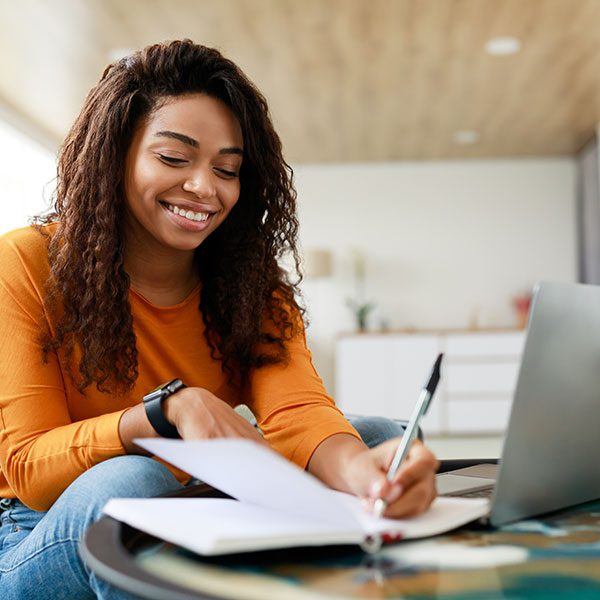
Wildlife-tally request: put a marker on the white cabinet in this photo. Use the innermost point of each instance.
(409, 364)
(362, 364)
(382, 374)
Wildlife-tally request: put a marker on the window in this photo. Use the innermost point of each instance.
(27, 177)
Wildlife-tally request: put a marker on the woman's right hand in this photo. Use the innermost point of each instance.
(200, 415)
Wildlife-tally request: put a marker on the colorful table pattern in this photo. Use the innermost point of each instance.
(553, 557)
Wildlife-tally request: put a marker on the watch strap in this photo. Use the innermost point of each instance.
(153, 404)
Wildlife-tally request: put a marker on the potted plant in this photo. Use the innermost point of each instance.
(359, 304)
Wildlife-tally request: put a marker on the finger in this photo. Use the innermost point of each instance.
(244, 429)
(420, 462)
(383, 454)
(249, 431)
(414, 500)
(258, 437)
(253, 433)
(384, 489)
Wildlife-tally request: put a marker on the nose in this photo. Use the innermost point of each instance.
(200, 184)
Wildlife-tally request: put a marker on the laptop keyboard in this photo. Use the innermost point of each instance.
(482, 493)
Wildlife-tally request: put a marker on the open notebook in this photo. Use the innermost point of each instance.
(278, 504)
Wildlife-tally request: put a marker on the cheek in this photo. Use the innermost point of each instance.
(230, 195)
(136, 185)
(144, 180)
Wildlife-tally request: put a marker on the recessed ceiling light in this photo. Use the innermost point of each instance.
(116, 54)
(503, 46)
(465, 137)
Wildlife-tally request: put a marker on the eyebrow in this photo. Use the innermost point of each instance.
(186, 139)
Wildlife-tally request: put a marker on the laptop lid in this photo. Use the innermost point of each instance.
(550, 455)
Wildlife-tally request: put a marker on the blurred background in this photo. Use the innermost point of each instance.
(445, 157)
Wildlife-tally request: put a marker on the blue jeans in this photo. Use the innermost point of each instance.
(39, 550)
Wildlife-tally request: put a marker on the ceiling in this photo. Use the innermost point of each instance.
(347, 80)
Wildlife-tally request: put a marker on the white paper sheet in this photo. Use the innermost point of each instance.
(445, 514)
(280, 505)
(254, 474)
(217, 526)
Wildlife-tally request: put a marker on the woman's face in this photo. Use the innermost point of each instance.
(182, 172)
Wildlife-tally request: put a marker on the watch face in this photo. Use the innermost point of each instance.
(171, 387)
(156, 389)
(175, 385)
(156, 393)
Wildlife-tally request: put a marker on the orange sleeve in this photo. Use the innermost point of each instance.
(292, 407)
(41, 450)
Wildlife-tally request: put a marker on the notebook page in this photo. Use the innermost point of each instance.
(254, 474)
(445, 514)
(217, 526)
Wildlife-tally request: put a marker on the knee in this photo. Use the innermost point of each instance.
(120, 477)
(130, 477)
(376, 430)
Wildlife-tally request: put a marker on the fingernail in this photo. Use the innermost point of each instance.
(394, 493)
(376, 489)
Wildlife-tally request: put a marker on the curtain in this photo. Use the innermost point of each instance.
(588, 212)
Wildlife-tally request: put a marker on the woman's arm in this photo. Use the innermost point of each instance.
(195, 412)
(301, 421)
(42, 448)
(346, 464)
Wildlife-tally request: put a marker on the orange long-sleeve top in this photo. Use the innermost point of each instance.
(50, 433)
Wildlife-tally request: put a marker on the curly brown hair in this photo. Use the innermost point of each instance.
(243, 285)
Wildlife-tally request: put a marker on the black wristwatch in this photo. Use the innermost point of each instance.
(153, 403)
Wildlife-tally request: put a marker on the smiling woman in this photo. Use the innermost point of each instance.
(181, 174)
(158, 265)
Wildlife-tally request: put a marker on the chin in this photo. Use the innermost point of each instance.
(187, 247)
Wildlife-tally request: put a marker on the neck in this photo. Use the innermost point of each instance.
(164, 276)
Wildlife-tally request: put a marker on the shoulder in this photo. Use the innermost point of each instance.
(283, 316)
(27, 241)
(24, 254)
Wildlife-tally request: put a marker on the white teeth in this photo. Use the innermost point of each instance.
(188, 214)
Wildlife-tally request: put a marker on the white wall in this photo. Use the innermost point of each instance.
(447, 244)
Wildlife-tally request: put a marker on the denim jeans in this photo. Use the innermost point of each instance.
(39, 550)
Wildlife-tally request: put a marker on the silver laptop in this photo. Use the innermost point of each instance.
(550, 459)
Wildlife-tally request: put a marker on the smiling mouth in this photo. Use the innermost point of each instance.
(187, 214)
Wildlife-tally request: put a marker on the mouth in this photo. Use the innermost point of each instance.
(190, 215)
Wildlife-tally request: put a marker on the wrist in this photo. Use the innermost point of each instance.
(350, 462)
(134, 424)
(173, 405)
(154, 405)
(333, 462)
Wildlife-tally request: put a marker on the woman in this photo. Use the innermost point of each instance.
(159, 262)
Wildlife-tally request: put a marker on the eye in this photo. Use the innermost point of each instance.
(170, 160)
(226, 173)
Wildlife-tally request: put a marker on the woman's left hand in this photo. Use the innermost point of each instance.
(413, 488)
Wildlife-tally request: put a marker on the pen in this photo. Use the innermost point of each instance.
(419, 412)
